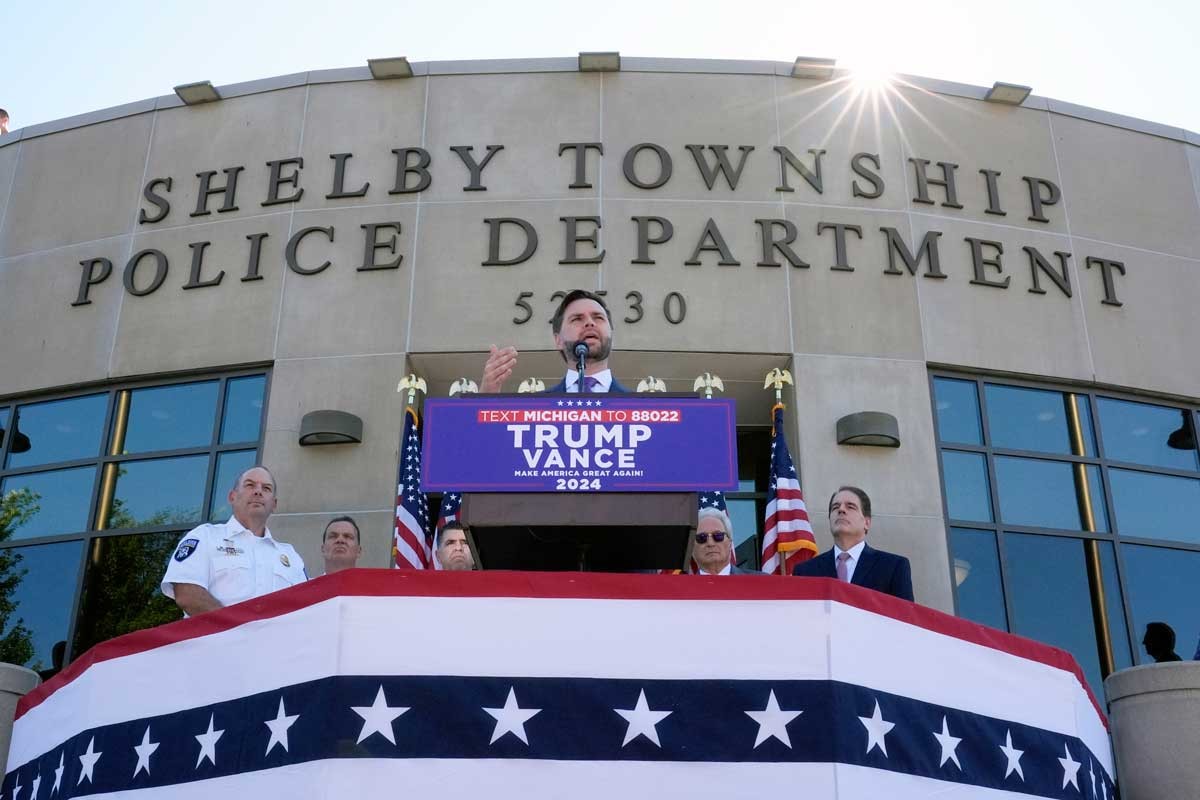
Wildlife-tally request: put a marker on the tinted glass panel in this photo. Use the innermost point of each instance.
(1118, 631)
(52, 503)
(1087, 430)
(243, 409)
(59, 430)
(120, 591)
(1050, 597)
(957, 405)
(229, 467)
(1047, 494)
(1146, 434)
(43, 588)
(159, 492)
(171, 417)
(1156, 506)
(1027, 419)
(3, 426)
(967, 486)
(745, 531)
(977, 575)
(1162, 588)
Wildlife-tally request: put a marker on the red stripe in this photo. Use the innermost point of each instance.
(556, 585)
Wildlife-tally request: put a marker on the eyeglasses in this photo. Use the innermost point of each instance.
(718, 536)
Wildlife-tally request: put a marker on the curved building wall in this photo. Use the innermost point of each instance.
(921, 227)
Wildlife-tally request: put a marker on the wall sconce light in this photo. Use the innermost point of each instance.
(385, 68)
(874, 428)
(962, 570)
(330, 427)
(814, 69)
(194, 94)
(600, 62)
(1008, 93)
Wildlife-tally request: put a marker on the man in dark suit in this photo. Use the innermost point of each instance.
(713, 545)
(581, 317)
(852, 559)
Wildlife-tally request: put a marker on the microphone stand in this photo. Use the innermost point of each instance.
(581, 351)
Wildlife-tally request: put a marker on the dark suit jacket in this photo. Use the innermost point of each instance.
(876, 569)
(615, 387)
(736, 570)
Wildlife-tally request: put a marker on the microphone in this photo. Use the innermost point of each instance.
(581, 352)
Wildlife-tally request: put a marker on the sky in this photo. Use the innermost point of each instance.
(65, 58)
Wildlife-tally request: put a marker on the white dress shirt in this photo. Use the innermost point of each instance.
(852, 562)
(603, 376)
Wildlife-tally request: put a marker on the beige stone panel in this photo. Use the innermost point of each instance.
(461, 305)
(975, 135)
(9, 157)
(76, 186)
(342, 310)
(675, 110)
(242, 131)
(231, 323)
(303, 532)
(864, 312)
(45, 342)
(1149, 342)
(1127, 188)
(319, 478)
(729, 309)
(902, 481)
(368, 119)
(1011, 329)
(530, 114)
(835, 117)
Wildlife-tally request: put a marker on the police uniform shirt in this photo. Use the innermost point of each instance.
(232, 563)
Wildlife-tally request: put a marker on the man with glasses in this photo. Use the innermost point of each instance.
(453, 549)
(714, 545)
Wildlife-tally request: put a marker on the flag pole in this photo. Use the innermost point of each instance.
(776, 379)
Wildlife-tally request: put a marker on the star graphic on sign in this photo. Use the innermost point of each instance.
(511, 718)
(1013, 755)
(58, 773)
(279, 728)
(773, 721)
(598, 404)
(949, 745)
(377, 717)
(144, 751)
(1070, 769)
(87, 762)
(37, 785)
(208, 743)
(560, 402)
(877, 729)
(642, 720)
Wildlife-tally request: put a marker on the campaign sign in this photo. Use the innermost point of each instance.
(572, 443)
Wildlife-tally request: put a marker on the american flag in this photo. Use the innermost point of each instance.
(787, 527)
(451, 503)
(410, 540)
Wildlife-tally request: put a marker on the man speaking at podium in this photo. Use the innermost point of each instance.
(580, 323)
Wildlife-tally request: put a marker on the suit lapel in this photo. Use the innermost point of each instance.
(866, 563)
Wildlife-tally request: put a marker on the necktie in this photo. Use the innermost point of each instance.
(590, 383)
(842, 571)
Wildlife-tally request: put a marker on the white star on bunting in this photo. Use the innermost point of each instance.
(144, 751)
(1070, 769)
(208, 743)
(773, 721)
(642, 720)
(877, 729)
(279, 728)
(87, 762)
(377, 717)
(949, 745)
(17, 789)
(37, 785)
(58, 773)
(1013, 755)
(511, 718)
(1092, 775)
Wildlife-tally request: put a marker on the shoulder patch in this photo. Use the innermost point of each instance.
(186, 548)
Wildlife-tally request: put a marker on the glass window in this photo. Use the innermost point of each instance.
(3, 427)
(1048, 494)
(121, 593)
(229, 467)
(1145, 434)
(1153, 506)
(1114, 606)
(977, 577)
(743, 513)
(54, 502)
(1051, 597)
(159, 491)
(967, 494)
(957, 411)
(171, 417)
(1162, 585)
(59, 430)
(243, 409)
(1027, 419)
(41, 582)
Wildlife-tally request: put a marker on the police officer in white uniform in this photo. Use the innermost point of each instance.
(218, 565)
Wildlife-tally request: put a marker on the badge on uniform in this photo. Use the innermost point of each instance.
(283, 559)
(186, 548)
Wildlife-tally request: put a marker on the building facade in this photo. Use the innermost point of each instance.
(1016, 285)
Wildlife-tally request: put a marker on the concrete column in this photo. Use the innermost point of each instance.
(15, 683)
(1154, 711)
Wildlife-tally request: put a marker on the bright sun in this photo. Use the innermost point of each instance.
(869, 75)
